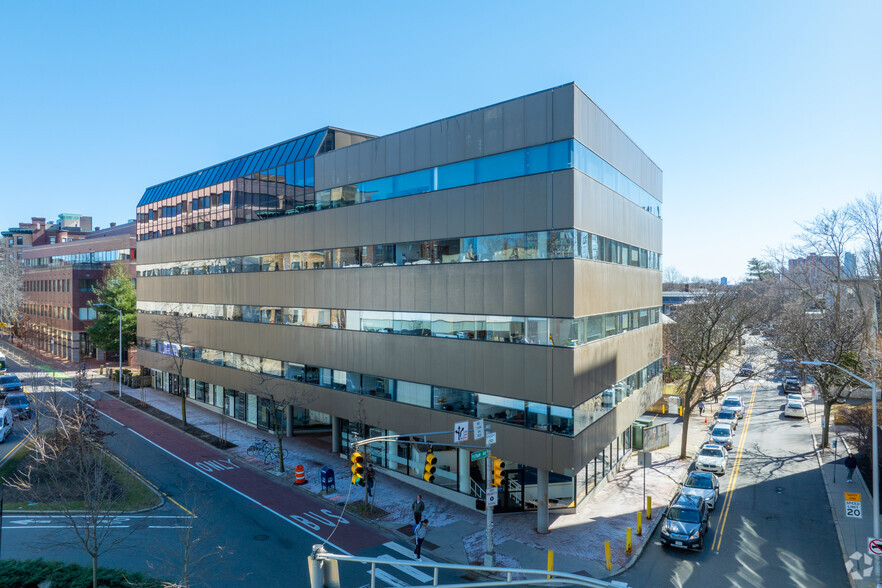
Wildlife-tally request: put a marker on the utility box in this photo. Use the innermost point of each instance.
(637, 428)
(328, 481)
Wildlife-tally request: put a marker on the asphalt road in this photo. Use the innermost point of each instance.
(772, 525)
(244, 529)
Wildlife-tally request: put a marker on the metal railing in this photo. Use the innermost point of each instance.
(324, 573)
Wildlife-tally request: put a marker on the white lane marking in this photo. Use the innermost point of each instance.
(410, 571)
(404, 551)
(387, 577)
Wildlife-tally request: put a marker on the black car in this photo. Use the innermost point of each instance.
(685, 523)
(9, 383)
(792, 384)
(746, 370)
(20, 406)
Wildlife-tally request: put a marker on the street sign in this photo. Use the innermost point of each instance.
(493, 496)
(853, 505)
(461, 432)
(644, 458)
(491, 438)
(479, 428)
(874, 545)
(480, 454)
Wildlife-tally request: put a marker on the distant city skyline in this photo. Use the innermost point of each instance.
(760, 115)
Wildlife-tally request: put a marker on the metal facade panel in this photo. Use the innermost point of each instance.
(537, 202)
(437, 143)
(493, 135)
(537, 286)
(494, 207)
(438, 279)
(563, 112)
(474, 210)
(562, 198)
(493, 287)
(392, 154)
(454, 133)
(513, 132)
(513, 289)
(537, 118)
(564, 292)
(514, 206)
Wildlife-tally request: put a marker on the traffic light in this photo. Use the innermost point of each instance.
(429, 473)
(498, 466)
(357, 468)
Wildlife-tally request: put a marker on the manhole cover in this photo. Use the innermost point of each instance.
(261, 537)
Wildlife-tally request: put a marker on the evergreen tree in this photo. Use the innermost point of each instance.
(117, 290)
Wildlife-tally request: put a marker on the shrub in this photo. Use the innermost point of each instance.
(30, 573)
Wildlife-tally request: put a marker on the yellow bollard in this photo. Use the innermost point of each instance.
(608, 555)
(628, 540)
(550, 563)
(681, 411)
(648, 507)
(639, 524)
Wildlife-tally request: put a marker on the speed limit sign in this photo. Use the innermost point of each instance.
(853, 505)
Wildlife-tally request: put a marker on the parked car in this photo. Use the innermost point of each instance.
(20, 406)
(792, 384)
(9, 383)
(704, 486)
(6, 423)
(685, 523)
(727, 417)
(747, 369)
(734, 404)
(795, 396)
(794, 408)
(712, 458)
(722, 434)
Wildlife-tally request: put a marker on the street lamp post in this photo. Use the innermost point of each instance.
(119, 375)
(872, 385)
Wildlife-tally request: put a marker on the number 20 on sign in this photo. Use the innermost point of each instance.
(853, 505)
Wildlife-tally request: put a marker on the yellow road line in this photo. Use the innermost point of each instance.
(13, 450)
(718, 539)
(151, 484)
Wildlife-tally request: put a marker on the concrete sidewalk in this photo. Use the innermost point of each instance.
(457, 534)
(853, 532)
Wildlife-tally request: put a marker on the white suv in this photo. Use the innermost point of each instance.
(734, 404)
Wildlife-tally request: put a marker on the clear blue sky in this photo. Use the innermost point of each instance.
(760, 114)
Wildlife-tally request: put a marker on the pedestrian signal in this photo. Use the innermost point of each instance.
(498, 466)
(357, 468)
(429, 473)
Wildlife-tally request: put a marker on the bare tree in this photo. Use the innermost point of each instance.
(272, 389)
(706, 331)
(821, 311)
(69, 469)
(11, 295)
(173, 328)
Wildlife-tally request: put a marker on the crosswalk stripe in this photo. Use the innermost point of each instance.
(410, 571)
(404, 551)
(387, 577)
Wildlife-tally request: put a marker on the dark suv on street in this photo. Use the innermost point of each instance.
(793, 384)
(20, 406)
(9, 383)
(685, 523)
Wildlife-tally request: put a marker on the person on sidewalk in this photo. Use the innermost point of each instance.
(420, 534)
(418, 507)
(370, 479)
(700, 408)
(850, 465)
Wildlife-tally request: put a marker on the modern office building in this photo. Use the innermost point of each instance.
(59, 279)
(502, 264)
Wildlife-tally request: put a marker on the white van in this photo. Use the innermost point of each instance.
(5, 423)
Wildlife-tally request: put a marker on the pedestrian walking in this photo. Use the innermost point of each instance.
(700, 408)
(420, 534)
(370, 480)
(418, 507)
(850, 465)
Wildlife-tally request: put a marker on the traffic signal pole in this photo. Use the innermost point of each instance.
(489, 553)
